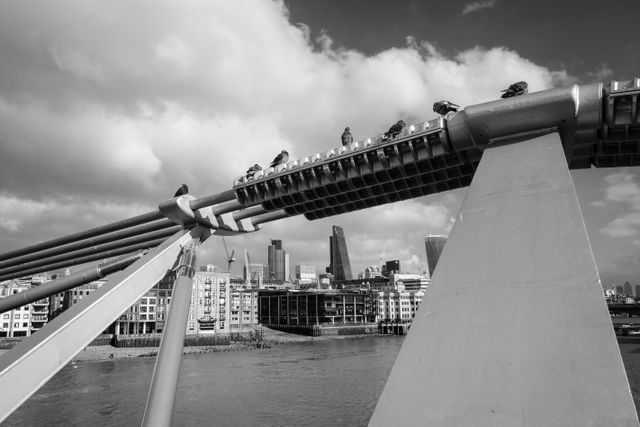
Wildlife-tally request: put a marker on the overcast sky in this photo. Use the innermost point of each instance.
(106, 107)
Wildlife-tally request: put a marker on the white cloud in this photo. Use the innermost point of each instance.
(78, 64)
(622, 189)
(204, 89)
(15, 212)
(478, 5)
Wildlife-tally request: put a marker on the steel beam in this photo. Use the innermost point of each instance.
(268, 217)
(212, 200)
(78, 278)
(32, 362)
(115, 226)
(105, 238)
(70, 260)
(161, 398)
(514, 329)
(103, 248)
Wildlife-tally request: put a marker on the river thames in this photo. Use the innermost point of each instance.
(319, 383)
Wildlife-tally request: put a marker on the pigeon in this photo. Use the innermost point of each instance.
(347, 138)
(395, 130)
(519, 88)
(182, 191)
(443, 107)
(252, 170)
(281, 158)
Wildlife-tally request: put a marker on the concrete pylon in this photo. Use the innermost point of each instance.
(514, 330)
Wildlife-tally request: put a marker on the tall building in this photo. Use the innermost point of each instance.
(339, 264)
(278, 262)
(16, 322)
(306, 272)
(255, 275)
(434, 243)
(208, 311)
(391, 267)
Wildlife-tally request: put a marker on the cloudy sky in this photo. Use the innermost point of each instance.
(106, 107)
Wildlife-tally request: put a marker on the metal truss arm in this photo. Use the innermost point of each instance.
(35, 360)
(167, 369)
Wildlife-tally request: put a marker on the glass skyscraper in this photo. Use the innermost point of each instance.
(278, 262)
(434, 243)
(339, 266)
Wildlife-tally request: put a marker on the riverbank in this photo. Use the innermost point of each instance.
(270, 338)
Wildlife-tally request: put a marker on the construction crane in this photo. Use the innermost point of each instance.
(230, 258)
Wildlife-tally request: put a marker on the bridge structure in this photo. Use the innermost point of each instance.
(519, 235)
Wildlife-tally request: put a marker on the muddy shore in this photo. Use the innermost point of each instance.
(270, 338)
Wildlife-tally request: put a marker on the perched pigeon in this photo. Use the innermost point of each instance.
(182, 190)
(252, 170)
(281, 158)
(395, 130)
(443, 107)
(519, 88)
(347, 138)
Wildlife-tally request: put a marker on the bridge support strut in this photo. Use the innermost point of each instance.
(514, 329)
(167, 369)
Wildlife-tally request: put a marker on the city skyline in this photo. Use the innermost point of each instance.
(103, 118)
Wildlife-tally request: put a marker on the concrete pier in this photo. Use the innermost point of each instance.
(515, 330)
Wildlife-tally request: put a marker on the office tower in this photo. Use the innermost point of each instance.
(391, 267)
(306, 272)
(338, 255)
(255, 273)
(278, 262)
(434, 244)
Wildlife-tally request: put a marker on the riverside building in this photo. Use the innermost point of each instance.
(296, 308)
(26, 320)
(209, 311)
(398, 306)
(17, 322)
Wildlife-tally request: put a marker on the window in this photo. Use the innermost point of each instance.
(16, 325)
(5, 325)
(25, 324)
(6, 316)
(25, 316)
(17, 316)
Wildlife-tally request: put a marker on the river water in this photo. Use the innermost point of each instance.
(321, 383)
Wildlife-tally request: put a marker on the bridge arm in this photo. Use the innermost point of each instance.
(31, 363)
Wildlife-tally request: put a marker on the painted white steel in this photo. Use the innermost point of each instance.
(30, 364)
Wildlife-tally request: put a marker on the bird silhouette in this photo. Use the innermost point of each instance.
(182, 190)
(281, 158)
(395, 130)
(347, 138)
(516, 89)
(443, 107)
(253, 169)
